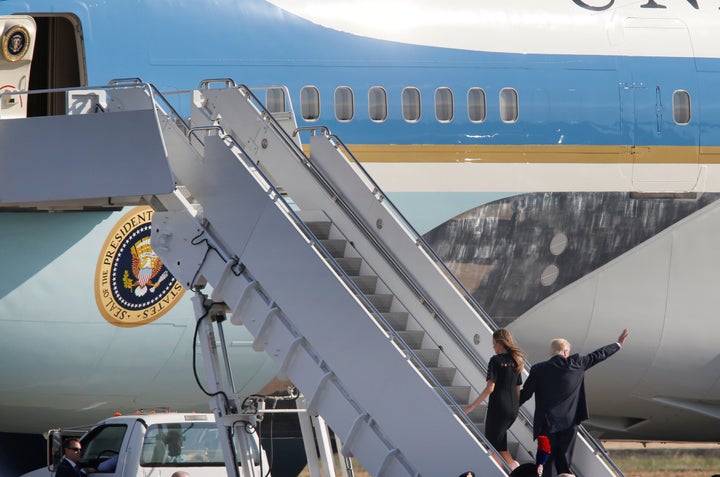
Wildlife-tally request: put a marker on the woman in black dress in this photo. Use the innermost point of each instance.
(503, 388)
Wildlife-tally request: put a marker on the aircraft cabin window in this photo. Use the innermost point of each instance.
(477, 105)
(275, 100)
(509, 107)
(411, 105)
(444, 105)
(310, 103)
(377, 104)
(344, 108)
(681, 107)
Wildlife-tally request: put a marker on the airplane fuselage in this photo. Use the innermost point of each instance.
(460, 112)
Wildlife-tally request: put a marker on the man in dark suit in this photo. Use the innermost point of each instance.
(560, 406)
(70, 464)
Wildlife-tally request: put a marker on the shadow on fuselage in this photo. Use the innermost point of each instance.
(21, 453)
(513, 253)
(31, 240)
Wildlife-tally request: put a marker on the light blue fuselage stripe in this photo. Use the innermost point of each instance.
(563, 99)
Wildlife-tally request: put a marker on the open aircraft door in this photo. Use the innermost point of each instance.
(660, 112)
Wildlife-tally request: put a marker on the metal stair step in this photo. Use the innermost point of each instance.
(336, 247)
(458, 393)
(321, 230)
(397, 319)
(381, 301)
(428, 357)
(351, 265)
(477, 415)
(413, 338)
(444, 375)
(366, 283)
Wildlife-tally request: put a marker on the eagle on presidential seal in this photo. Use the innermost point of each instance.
(145, 267)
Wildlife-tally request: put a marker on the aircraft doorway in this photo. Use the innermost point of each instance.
(656, 118)
(58, 62)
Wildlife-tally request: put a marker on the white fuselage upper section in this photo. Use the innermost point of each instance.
(582, 27)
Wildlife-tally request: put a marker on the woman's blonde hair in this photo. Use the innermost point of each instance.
(505, 339)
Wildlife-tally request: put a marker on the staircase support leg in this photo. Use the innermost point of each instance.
(322, 433)
(347, 467)
(220, 388)
(308, 436)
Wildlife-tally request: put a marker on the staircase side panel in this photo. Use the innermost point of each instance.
(232, 197)
(83, 157)
(370, 368)
(239, 118)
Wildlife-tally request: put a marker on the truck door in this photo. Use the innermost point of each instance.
(102, 447)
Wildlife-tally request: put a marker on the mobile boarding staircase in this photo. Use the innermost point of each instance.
(306, 252)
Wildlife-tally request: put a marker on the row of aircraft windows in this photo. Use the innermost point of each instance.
(509, 103)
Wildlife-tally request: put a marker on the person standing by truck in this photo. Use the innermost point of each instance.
(70, 464)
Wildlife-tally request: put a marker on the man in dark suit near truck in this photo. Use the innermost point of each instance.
(560, 406)
(69, 466)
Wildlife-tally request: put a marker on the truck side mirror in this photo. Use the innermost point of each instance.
(54, 449)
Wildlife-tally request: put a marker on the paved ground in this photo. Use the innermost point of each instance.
(617, 445)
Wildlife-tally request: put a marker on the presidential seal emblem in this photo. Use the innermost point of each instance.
(132, 286)
(15, 43)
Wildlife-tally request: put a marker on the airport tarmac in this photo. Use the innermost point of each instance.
(665, 459)
(636, 445)
(650, 459)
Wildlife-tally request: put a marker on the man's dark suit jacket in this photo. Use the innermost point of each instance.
(559, 388)
(66, 469)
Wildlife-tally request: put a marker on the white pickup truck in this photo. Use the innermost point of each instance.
(149, 445)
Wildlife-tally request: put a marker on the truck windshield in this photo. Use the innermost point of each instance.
(186, 444)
